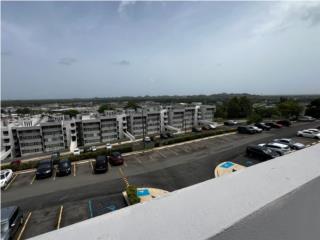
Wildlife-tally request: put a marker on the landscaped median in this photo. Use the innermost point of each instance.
(123, 148)
(134, 195)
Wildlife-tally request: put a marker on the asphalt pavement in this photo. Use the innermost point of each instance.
(168, 169)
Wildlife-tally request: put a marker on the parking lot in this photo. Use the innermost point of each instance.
(82, 194)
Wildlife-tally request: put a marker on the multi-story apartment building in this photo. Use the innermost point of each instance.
(56, 133)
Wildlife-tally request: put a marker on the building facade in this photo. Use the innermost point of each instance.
(56, 133)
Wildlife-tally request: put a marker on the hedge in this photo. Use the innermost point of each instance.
(21, 166)
(132, 194)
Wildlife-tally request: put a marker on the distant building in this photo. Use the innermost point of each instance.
(41, 134)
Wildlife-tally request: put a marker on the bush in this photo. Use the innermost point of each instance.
(132, 194)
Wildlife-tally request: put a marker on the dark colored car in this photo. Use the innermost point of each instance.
(286, 123)
(170, 134)
(246, 129)
(261, 152)
(230, 123)
(263, 126)
(196, 129)
(163, 136)
(274, 125)
(101, 164)
(206, 127)
(45, 169)
(55, 157)
(116, 159)
(11, 220)
(64, 167)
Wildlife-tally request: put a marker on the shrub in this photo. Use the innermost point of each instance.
(132, 194)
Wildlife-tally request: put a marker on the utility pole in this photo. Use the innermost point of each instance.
(143, 132)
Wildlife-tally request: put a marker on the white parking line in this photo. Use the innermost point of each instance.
(137, 159)
(162, 154)
(125, 164)
(171, 150)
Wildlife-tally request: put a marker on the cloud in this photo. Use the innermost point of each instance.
(284, 15)
(122, 8)
(67, 61)
(122, 63)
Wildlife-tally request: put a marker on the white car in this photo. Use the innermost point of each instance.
(277, 147)
(93, 148)
(108, 146)
(76, 151)
(6, 176)
(211, 126)
(314, 130)
(309, 134)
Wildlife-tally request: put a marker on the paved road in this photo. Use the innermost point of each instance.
(168, 169)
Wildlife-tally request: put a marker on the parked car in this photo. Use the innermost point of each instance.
(55, 157)
(230, 123)
(246, 129)
(292, 144)
(263, 126)
(306, 119)
(76, 151)
(280, 148)
(163, 136)
(261, 152)
(64, 167)
(116, 159)
(206, 127)
(147, 139)
(11, 220)
(90, 149)
(45, 169)
(101, 164)
(258, 130)
(170, 134)
(6, 176)
(274, 125)
(284, 122)
(308, 134)
(314, 130)
(108, 146)
(196, 129)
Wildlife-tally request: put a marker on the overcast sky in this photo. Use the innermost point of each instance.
(105, 49)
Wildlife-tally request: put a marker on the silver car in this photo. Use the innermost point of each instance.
(292, 144)
(277, 147)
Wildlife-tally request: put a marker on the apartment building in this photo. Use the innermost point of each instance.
(56, 133)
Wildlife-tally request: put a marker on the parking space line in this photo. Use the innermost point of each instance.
(54, 174)
(162, 154)
(12, 180)
(125, 164)
(91, 165)
(34, 177)
(137, 159)
(24, 226)
(60, 217)
(173, 151)
(74, 170)
(109, 165)
(123, 177)
(151, 158)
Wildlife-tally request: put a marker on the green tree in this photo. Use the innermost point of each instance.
(233, 108)
(313, 109)
(267, 112)
(23, 111)
(221, 111)
(104, 107)
(245, 105)
(289, 108)
(71, 112)
(254, 118)
(132, 105)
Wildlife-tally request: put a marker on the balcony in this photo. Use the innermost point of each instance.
(277, 199)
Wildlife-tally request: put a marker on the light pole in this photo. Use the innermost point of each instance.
(143, 132)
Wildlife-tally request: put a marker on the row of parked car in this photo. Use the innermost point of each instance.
(279, 147)
(259, 127)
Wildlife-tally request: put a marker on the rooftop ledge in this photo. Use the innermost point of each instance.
(277, 199)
